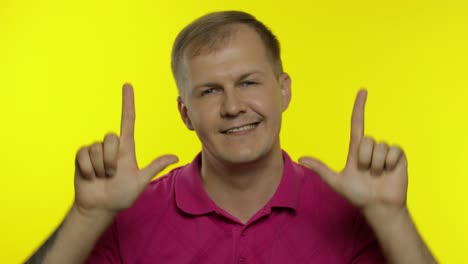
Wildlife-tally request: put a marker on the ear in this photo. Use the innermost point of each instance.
(184, 113)
(285, 87)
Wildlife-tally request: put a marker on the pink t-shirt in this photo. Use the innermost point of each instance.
(174, 221)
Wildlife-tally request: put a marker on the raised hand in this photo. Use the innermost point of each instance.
(375, 177)
(107, 177)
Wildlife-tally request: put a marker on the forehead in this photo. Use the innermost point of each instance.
(241, 52)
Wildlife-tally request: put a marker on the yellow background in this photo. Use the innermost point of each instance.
(62, 64)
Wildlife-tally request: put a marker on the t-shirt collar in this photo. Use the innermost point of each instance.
(192, 198)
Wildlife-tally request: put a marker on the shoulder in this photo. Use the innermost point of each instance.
(155, 199)
(327, 214)
(318, 196)
(315, 196)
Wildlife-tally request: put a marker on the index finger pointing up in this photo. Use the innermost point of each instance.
(357, 123)
(127, 123)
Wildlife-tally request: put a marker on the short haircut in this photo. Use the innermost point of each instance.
(211, 31)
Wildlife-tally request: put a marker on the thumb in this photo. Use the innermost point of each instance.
(156, 166)
(327, 175)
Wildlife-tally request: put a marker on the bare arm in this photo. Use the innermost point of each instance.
(399, 238)
(107, 181)
(73, 240)
(39, 256)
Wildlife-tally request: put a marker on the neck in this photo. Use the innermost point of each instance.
(242, 189)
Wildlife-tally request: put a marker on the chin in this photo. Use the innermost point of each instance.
(241, 152)
(240, 157)
(244, 155)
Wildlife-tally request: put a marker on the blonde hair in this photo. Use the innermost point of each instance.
(211, 31)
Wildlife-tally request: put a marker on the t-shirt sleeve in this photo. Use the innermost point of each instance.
(106, 250)
(366, 248)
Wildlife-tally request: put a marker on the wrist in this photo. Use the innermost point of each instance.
(397, 235)
(92, 216)
(382, 216)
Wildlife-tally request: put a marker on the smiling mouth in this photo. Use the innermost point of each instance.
(241, 128)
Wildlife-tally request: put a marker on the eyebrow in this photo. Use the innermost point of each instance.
(242, 77)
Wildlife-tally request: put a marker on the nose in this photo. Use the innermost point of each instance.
(232, 105)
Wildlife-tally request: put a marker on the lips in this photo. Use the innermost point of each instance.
(241, 128)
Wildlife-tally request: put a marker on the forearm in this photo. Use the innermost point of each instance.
(399, 238)
(73, 241)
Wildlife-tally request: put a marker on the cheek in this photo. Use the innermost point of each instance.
(267, 102)
(203, 118)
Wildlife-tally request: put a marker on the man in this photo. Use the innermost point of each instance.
(242, 199)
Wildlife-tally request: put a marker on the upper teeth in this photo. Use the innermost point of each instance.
(242, 128)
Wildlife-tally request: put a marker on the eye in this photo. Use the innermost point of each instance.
(248, 83)
(209, 91)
